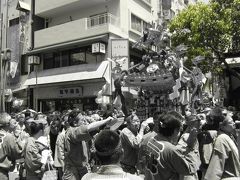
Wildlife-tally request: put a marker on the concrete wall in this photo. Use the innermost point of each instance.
(47, 5)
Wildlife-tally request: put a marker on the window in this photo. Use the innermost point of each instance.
(146, 25)
(65, 58)
(57, 60)
(46, 23)
(91, 58)
(48, 61)
(71, 57)
(24, 65)
(78, 56)
(136, 23)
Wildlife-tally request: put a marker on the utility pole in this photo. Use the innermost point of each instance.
(1, 70)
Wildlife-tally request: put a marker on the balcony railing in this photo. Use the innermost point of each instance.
(102, 19)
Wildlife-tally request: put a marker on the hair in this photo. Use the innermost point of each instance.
(225, 120)
(27, 113)
(216, 116)
(108, 147)
(54, 119)
(73, 117)
(168, 123)
(107, 113)
(129, 118)
(34, 128)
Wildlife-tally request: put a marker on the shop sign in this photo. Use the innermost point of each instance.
(119, 48)
(120, 52)
(70, 92)
(98, 48)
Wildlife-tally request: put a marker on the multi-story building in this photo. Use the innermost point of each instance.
(169, 8)
(67, 37)
(16, 37)
(72, 39)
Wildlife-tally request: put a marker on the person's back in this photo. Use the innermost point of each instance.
(109, 151)
(32, 159)
(111, 172)
(165, 161)
(161, 159)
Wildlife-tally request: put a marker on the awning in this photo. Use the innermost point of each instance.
(101, 72)
(19, 89)
(67, 44)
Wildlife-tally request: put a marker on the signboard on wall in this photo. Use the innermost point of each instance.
(98, 48)
(120, 48)
(70, 92)
(120, 52)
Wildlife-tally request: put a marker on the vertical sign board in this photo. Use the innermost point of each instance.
(120, 52)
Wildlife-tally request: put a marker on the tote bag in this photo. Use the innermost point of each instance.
(50, 174)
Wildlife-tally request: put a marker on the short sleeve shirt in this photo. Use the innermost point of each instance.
(75, 147)
(165, 161)
(226, 154)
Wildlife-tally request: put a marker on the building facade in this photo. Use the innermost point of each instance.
(72, 39)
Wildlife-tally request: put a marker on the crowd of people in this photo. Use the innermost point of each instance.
(109, 145)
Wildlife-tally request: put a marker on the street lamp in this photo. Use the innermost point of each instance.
(35, 61)
(4, 63)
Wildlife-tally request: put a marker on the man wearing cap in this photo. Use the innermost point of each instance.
(9, 150)
(109, 151)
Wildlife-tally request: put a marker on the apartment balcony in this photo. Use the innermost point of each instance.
(46, 8)
(74, 31)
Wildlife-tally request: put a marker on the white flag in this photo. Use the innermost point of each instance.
(13, 68)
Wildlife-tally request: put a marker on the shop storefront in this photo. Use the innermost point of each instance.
(60, 98)
(49, 105)
(69, 87)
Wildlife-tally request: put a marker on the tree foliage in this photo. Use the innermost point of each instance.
(214, 30)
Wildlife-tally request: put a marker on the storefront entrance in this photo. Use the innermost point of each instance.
(50, 105)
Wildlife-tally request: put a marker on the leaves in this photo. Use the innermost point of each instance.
(214, 30)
